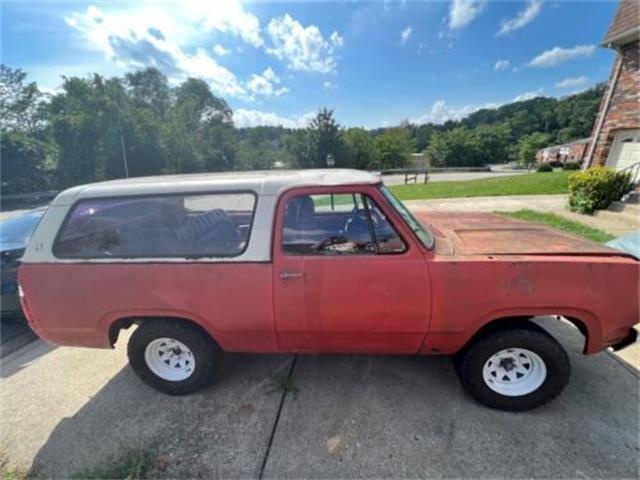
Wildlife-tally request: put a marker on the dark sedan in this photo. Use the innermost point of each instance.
(14, 237)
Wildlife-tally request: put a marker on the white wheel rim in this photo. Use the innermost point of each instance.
(169, 359)
(514, 372)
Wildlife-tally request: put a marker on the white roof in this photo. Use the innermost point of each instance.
(268, 182)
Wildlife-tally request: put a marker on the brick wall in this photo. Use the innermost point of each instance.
(624, 109)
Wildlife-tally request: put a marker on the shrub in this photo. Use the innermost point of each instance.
(571, 166)
(595, 188)
(544, 167)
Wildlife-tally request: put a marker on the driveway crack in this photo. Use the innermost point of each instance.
(276, 421)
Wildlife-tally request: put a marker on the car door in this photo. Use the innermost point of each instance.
(348, 277)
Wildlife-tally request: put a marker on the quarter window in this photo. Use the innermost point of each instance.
(344, 224)
(190, 225)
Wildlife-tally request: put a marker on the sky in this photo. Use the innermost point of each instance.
(374, 63)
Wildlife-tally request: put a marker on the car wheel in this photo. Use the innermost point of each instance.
(173, 357)
(516, 369)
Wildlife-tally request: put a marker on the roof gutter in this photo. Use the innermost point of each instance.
(621, 38)
(605, 109)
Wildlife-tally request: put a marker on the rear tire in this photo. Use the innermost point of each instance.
(172, 356)
(516, 369)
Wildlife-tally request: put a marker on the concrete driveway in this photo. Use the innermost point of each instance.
(352, 417)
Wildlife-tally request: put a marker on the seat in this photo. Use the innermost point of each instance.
(210, 233)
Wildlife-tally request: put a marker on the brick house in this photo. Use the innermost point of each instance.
(615, 139)
(560, 154)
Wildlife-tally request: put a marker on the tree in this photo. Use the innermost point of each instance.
(325, 138)
(27, 154)
(22, 107)
(423, 136)
(394, 148)
(360, 149)
(298, 148)
(256, 151)
(88, 120)
(149, 88)
(199, 133)
(84, 132)
(25, 163)
(529, 145)
(492, 143)
(458, 147)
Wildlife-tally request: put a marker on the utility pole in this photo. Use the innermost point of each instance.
(124, 156)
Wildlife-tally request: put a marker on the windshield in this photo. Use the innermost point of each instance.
(16, 231)
(423, 233)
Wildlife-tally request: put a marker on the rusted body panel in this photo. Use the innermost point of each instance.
(470, 233)
(599, 292)
(488, 267)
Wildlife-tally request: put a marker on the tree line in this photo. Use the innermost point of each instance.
(98, 128)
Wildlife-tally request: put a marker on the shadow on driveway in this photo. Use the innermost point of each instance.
(222, 432)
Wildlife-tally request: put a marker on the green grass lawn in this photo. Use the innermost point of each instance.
(561, 223)
(526, 184)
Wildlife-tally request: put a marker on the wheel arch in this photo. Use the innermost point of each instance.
(116, 325)
(585, 322)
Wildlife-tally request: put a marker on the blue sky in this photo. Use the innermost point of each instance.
(374, 63)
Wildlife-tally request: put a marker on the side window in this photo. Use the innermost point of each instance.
(345, 224)
(387, 237)
(192, 225)
(335, 203)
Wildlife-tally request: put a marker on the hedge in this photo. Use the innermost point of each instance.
(596, 188)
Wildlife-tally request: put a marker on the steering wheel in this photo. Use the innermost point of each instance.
(359, 217)
(358, 223)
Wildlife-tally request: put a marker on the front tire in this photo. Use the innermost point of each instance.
(515, 369)
(171, 356)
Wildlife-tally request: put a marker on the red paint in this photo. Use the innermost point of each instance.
(420, 301)
(359, 303)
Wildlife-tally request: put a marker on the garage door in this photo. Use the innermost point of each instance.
(625, 150)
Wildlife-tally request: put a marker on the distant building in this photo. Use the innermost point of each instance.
(558, 155)
(616, 133)
(419, 160)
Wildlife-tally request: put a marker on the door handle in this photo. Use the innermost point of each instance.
(288, 275)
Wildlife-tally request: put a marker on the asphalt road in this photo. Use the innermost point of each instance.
(452, 176)
(64, 409)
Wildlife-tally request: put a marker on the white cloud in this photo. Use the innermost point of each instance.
(226, 16)
(572, 82)
(329, 85)
(528, 95)
(220, 50)
(142, 45)
(501, 65)
(336, 40)
(533, 9)
(304, 48)
(440, 112)
(463, 12)
(405, 34)
(252, 118)
(265, 84)
(558, 55)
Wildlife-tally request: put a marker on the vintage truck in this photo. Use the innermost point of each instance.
(317, 261)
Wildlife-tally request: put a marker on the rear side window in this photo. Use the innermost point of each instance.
(190, 225)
